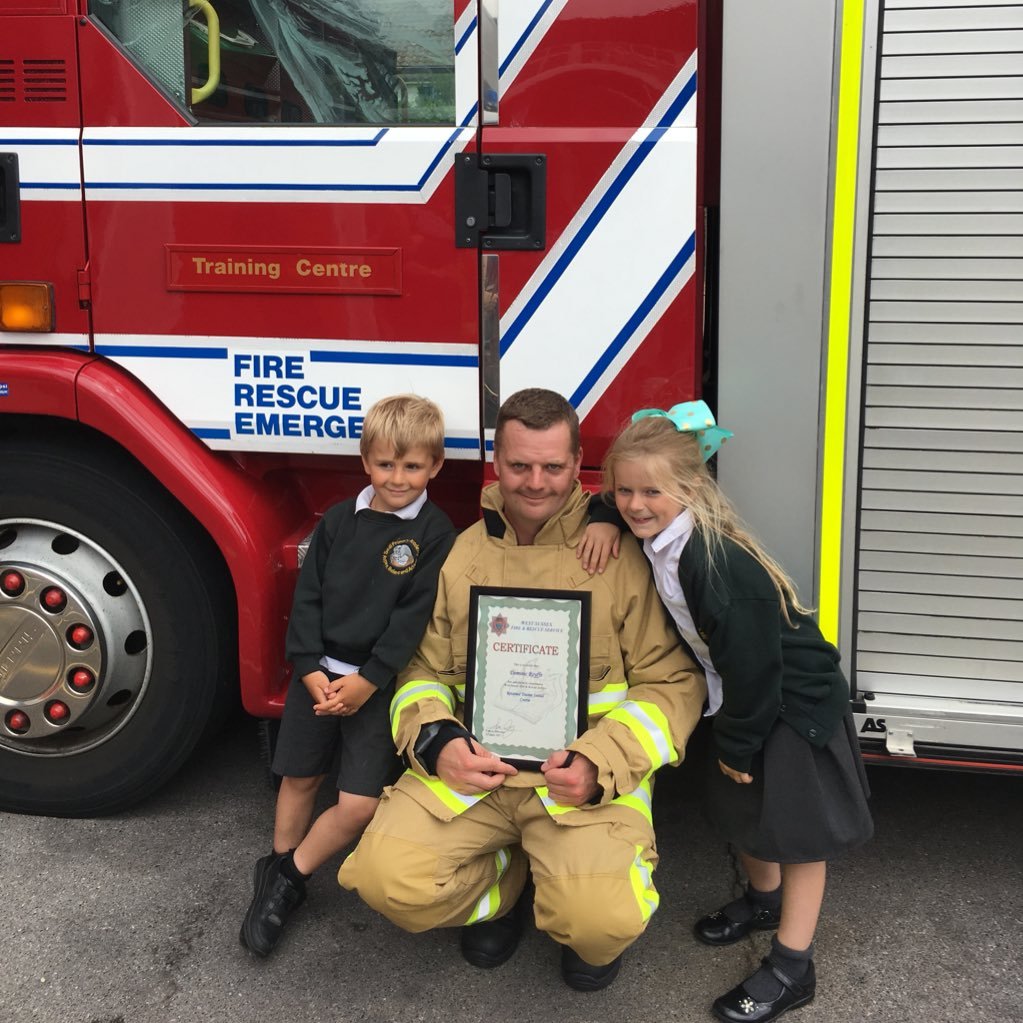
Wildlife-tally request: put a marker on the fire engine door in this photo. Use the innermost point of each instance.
(270, 210)
(599, 97)
(41, 232)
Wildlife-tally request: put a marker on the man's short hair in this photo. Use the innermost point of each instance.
(404, 421)
(538, 409)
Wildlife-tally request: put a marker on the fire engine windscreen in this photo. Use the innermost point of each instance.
(296, 61)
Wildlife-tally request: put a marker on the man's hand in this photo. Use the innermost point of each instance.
(571, 778)
(600, 541)
(470, 772)
(316, 683)
(345, 695)
(737, 776)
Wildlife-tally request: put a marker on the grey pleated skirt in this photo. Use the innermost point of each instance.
(805, 803)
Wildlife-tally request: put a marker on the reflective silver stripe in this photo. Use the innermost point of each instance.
(490, 901)
(413, 692)
(653, 729)
(608, 697)
(453, 800)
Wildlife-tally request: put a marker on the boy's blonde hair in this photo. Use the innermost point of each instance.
(404, 421)
(676, 464)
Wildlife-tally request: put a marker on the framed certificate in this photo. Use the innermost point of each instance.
(527, 671)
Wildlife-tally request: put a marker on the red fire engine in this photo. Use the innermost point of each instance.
(227, 227)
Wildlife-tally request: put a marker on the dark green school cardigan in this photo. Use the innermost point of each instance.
(769, 669)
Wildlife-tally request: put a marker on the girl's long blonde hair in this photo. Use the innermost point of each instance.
(677, 466)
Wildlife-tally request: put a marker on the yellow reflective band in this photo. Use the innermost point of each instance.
(460, 692)
(490, 900)
(449, 797)
(413, 692)
(608, 698)
(839, 315)
(648, 723)
(640, 800)
(549, 805)
(641, 877)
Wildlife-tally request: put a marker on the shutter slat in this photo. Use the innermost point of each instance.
(943, 440)
(992, 133)
(915, 375)
(941, 564)
(931, 625)
(941, 645)
(942, 157)
(958, 65)
(947, 312)
(931, 269)
(933, 522)
(952, 605)
(950, 112)
(949, 223)
(949, 202)
(955, 245)
(943, 667)
(943, 290)
(974, 87)
(911, 585)
(931, 20)
(940, 42)
(983, 548)
(909, 502)
(1005, 484)
(970, 399)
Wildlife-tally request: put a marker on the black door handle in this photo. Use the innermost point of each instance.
(501, 201)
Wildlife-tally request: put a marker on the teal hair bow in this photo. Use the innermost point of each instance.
(692, 417)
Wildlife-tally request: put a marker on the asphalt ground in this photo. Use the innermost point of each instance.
(134, 918)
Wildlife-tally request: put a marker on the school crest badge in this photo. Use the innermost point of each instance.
(400, 556)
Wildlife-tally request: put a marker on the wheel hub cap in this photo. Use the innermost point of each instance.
(75, 641)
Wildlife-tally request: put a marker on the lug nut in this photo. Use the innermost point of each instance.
(79, 636)
(57, 711)
(54, 599)
(81, 680)
(12, 583)
(17, 721)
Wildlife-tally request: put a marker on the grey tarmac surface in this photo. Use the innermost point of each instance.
(134, 919)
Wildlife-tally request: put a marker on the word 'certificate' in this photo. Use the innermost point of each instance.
(527, 669)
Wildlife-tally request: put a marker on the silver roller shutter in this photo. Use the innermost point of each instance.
(940, 542)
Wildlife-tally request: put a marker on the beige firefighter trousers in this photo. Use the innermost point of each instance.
(593, 868)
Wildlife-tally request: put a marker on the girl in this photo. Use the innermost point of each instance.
(790, 791)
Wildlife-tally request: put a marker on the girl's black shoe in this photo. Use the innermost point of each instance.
(720, 929)
(738, 1006)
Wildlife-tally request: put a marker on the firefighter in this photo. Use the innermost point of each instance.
(456, 840)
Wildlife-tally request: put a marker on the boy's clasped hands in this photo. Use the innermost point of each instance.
(340, 698)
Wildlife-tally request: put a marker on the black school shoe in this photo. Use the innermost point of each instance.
(582, 976)
(720, 929)
(274, 899)
(739, 1007)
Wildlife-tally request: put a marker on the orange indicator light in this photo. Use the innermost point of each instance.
(26, 306)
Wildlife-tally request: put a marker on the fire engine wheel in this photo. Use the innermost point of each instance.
(112, 644)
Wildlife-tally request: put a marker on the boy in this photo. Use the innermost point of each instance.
(364, 596)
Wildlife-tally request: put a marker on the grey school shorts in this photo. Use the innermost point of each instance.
(361, 745)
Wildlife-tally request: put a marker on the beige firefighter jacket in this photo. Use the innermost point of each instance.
(646, 693)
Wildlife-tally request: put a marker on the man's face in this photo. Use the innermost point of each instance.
(535, 473)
